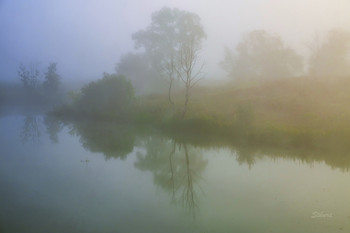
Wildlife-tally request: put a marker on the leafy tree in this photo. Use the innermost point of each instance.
(29, 76)
(172, 42)
(331, 58)
(138, 69)
(262, 55)
(52, 79)
(110, 96)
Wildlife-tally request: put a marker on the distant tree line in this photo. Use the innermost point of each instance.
(264, 55)
(46, 92)
(168, 56)
(30, 77)
(161, 61)
(330, 56)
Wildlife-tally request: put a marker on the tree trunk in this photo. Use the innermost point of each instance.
(172, 170)
(169, 92)
(187, 96)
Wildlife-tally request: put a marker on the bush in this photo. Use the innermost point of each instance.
(110, 96)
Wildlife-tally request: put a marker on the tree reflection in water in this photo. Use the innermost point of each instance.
(176, 164)
(113, 140)
(53, 127)
(176, 168)
(246, 155)
(31, 129)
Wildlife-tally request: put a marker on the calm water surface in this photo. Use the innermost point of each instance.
(89, 177)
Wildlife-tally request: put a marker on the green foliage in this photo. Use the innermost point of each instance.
(290, 112)
(111, 96)
(193, 124)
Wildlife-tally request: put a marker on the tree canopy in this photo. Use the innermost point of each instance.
(112, 95)
(29, 76)
(168, 31)
(331, 58)
(173, 41)
(138, 69)
(52, 79)
(161, 45)
(262, 55)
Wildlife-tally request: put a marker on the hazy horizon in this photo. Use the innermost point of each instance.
(87, 38)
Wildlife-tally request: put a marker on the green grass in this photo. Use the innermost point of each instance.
(305, 112)
(290, 112)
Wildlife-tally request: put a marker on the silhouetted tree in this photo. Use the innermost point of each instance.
(262, 55)
(29, 77)
(186, 68)
(330, 58)
(110, 96)
(172, 41)
(52, 79)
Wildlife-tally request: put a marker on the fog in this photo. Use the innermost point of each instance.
(87, 38)
(159, 111)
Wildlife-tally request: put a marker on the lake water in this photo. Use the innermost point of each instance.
(89, 177)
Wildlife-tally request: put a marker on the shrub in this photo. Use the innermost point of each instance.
(110, 96)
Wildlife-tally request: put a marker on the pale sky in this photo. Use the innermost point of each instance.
(87, 37)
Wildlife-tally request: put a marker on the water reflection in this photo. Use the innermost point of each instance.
(246, 155)
(118, 140)
(34, 126)
(113, 140)
(335, 154)
(176, 168)
(176, 163)
(31, 128)
(53, 127)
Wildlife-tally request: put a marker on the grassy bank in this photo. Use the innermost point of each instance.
(291, 112)
(304, 112)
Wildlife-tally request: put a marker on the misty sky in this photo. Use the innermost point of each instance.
(87, 37)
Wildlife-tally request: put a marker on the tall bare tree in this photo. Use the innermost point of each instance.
(168, 41)
(187, 69)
